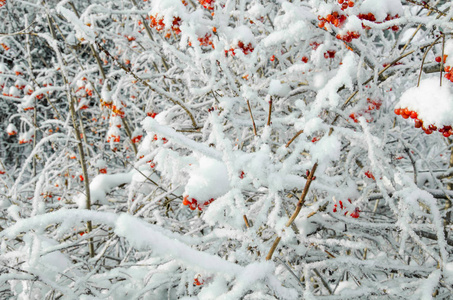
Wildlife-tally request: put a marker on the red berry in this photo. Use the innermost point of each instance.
(305, 59)
(438, 59)
(418, 123)
(186, 201)
(413, 115)
(397, 111)
(355, 213)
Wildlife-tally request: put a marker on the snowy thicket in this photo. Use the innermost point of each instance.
(226, 149)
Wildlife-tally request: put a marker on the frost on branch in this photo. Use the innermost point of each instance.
(191, 129)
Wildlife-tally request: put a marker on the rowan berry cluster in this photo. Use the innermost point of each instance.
(369, 175)
(355, 214)
(208, 4)
(193, 203)
(371, 17)
(157, 23)
(372, 105)
(2, 3)
(329, 54)
(334, 18)
(11, 130)
(448, 69)
(348, 37)
(206, 40)
(406, 113)
(345, 4)
(246, 49)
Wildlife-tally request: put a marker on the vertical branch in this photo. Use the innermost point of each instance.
(296, 211)
(78, 137)
(424, 56)
(251, 116)
(442, 58)
(247, 224)
(270, 112)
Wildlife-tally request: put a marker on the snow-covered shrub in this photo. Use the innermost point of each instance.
(214, 149)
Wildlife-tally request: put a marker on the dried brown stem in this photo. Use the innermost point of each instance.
(297, 210)
(247, 224)
(424, 56)
(293, 138)
(302, 197)
(251, 116)
(274, 246)
(270, 112)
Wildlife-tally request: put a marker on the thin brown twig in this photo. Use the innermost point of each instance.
(423, 60)
(296, 211)
(270, 112)
(251, 116)
(293, 138)
(442, 58)
(302, 197)
(247, 224)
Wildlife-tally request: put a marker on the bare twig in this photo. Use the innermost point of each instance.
(247, 224)
(270, 112)
(251, 116)
(424, 56)
(297, 210)
(293, 138)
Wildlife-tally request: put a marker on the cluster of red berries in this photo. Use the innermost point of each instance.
(349, 36)
(151, 114)
(448, 69)
(158, 23)
(369, 175)
(446, 130)
(355, 214)
(305, 59)
(345, 4)
(372, 105)
(370, 17)
(246, 49)
(2, 2)
(206, 40)
(163, 139)
(196, 281)
(329, 54)
(334, 18)
(136, 139)
(193, 203)
(314, 45)
(208, 4)
(5, 46)
(449, 73)
(116, 138)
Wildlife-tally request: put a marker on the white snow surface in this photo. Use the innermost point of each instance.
(427, 99)
(207, 180)
(277, 88)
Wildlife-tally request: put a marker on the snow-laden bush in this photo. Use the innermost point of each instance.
(216, 149)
